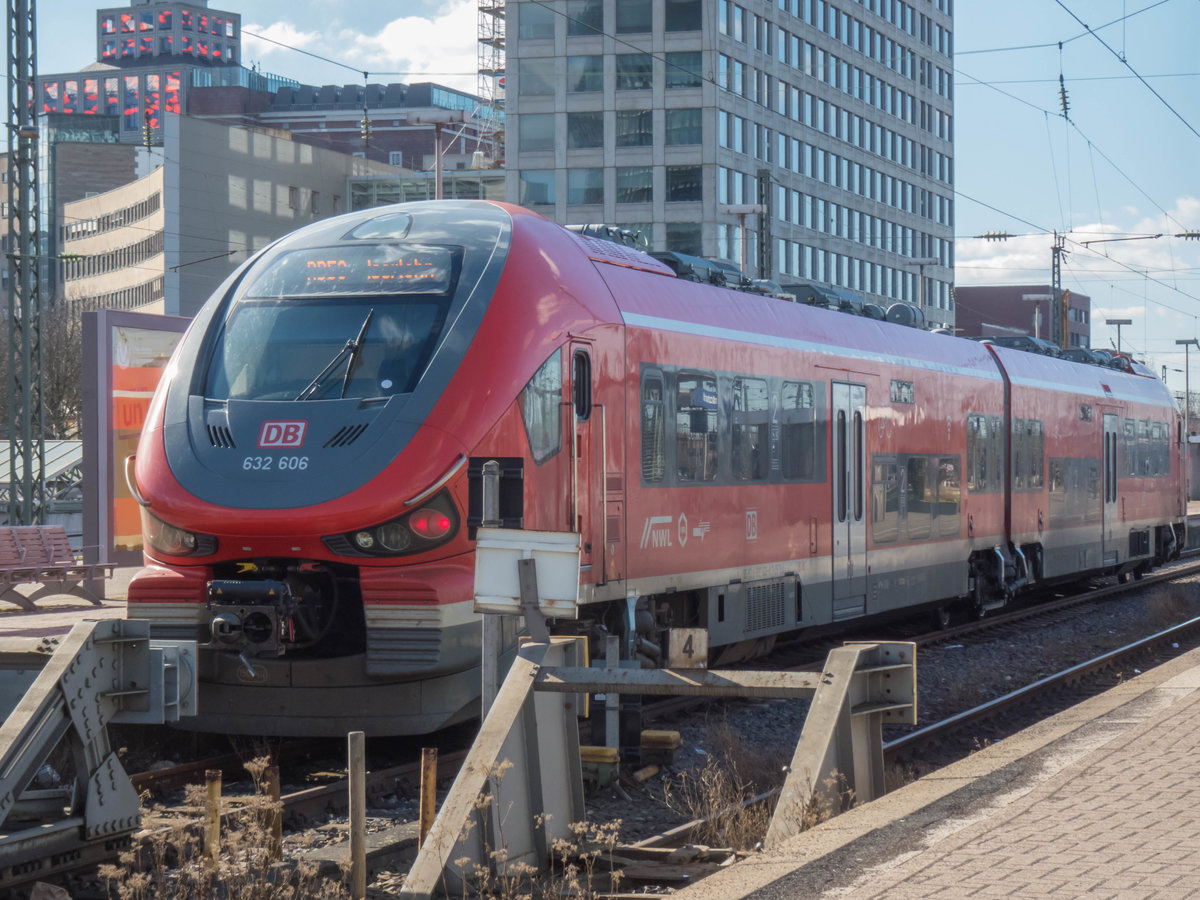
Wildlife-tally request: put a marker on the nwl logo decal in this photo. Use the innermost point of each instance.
(282, 434)
(657, 531)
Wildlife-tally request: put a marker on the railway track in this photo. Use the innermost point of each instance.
(1088, 677)
(310, 805)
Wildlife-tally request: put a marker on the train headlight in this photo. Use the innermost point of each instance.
(394, 536)
(434, 523)
(173, 540)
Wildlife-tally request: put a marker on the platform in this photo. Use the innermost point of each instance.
(56, 615)
(1102, 800)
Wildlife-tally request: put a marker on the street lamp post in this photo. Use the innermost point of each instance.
(1037, 310)
(741, 210)
(1119, 323)
(438, 119)
(1187, 343)
(921, 264)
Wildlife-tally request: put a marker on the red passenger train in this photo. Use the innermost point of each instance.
(310, 471)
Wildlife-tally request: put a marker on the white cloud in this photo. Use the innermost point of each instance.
(409, 49)
(1121, 250)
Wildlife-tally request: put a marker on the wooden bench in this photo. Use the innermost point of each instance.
(42, 555)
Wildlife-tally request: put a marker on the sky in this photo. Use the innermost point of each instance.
(1120, 167)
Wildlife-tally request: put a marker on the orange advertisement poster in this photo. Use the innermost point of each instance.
(139, 358)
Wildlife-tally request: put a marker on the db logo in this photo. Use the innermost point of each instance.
(282, 434)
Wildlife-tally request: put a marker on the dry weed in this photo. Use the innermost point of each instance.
(1168, 605)
(719, 793)
(574, 864)
(179, 869)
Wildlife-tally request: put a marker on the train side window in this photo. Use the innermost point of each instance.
(1161, 451)
(885, 501)
(1143, 449)
(1020, 454)
(919, 494)
(696, 427)
(1128, 458)
(750, 423)
(995, 481)
(541, 408)
(976, 455)
(1037, 454)
(949, 496)
(581, 385)
(654, 436)
(859, 460)
(801, 432)
(841, 466)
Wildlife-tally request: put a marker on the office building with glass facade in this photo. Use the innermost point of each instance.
(809, 141)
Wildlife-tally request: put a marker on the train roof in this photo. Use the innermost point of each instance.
(1035, 370)
(707, 311)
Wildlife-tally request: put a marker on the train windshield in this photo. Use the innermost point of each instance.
(324, 323)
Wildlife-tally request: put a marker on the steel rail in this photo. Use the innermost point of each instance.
(892, 749)
(906, 744)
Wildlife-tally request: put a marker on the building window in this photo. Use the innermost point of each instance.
(396, 157)
(585, 186)
(635, 128)
(683, 69)
(536, 132)
(585, 73)
(537, 186)
(635, 72)
(537, 77)
(293, 197)
(683, 184)
(682, 15)
(684, 237)
(635, 184)
(585, 129)
(536, 22)
(683, 126)
(633, 16)
(585, 17)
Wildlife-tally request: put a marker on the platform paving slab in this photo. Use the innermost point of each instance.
(1101, 800)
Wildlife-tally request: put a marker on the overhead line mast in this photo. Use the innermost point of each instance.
(25, 498)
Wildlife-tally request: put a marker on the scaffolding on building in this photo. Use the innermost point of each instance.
(491, 84)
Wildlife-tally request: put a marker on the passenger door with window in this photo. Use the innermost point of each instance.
(849, 517)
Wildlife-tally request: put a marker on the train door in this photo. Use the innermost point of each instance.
(849, 516)
(586, 459)
(1111, 512)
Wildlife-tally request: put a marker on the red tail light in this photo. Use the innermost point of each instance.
(430, 524)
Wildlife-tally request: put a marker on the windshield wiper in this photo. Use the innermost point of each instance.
(349, 352)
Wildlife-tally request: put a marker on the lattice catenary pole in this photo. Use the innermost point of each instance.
(24, 299)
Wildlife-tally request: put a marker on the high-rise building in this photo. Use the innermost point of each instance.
(146, 54)
(805, 140)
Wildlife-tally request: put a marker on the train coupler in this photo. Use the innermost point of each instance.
(252, 618)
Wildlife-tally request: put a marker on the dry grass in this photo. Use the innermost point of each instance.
(580, 866)
(178, 867)
(1169, 604)
(718, 793)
